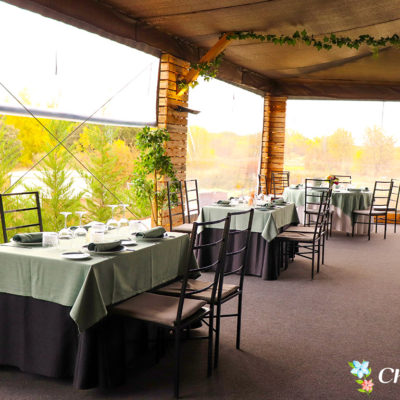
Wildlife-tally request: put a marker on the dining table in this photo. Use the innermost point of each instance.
(263, 249)
(343, 203)
(55, 312)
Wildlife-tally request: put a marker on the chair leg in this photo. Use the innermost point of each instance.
(177, 362)
(217, 331)
(210, 341)
(319, 252)
(384, 236)
(330, 229)
(369, 228)
(312, 262)
(395, 221)
(376, 224)
(239, 320)
(353, 222)
(323, 250)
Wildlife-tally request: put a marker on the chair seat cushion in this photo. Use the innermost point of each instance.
(366, 212)
(158, 309)
(296, 236)
(383, 208)
(301, 228)
(184, 228)
(195, 284)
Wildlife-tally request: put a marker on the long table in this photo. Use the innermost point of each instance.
(52, 310)
(263, 252)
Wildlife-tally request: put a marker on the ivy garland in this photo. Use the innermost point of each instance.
(209, 69)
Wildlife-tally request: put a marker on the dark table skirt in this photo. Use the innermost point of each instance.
(40, 337)
(262, 255)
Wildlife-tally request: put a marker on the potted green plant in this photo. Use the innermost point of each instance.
(152, 168)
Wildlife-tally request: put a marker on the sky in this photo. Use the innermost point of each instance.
(74, 70)
(77, 71)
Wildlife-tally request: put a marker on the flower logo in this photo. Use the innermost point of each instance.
(362, 370)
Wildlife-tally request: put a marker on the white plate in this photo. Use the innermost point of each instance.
(128, 243)
(35, 244)
(75, 256)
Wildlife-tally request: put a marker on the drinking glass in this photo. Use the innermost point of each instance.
(65, 233)
(50, 239)
(112, 223)
(136, 226)
(80, 231)
(124, 221)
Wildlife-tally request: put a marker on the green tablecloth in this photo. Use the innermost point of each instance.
(346, 201)
(267, 223)
(92, 285)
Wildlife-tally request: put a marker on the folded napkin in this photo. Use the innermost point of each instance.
(28, 237)
(108, 246)
(279, 201)
(223, 202)
(73, 228)
(155, 233)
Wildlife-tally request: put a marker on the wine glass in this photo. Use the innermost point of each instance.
(65, 232)
(124, 221)
(80, 231)
(112, 223)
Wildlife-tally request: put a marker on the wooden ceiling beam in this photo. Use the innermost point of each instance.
(211, 54)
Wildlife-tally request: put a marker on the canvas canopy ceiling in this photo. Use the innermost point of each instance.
(187, 28)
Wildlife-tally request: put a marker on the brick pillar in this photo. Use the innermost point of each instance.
(273, 137)
(174, 121)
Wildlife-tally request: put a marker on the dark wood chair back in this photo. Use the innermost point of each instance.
(192, 200)
(176, 204)
(237, 259)
(279, 181)
(17, 209)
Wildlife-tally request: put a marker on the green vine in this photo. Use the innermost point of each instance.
(326, 43)
(209, 69)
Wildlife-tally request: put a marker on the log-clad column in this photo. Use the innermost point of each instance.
(273, 138)
(174, 121)
(168, 117)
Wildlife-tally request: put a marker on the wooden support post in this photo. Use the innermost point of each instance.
(169, 118)
(193, 73)
(273, 138)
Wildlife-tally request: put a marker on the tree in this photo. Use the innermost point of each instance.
(152, 166)
(340, 146)
(56, 181)
(10, 152)
(96, 143)
(378, 151)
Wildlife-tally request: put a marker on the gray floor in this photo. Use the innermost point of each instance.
(298, 336)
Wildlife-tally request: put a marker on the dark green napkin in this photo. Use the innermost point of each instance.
(109, 246)
(28, 237)
(155, 233)
(223, 202)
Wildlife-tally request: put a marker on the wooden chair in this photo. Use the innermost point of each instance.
(179, 313)
(176, 208)
(192, 200)
(279, 181)
(309, 241)
(4, 212)
(378, 209)
(237, 262)
(393, 203)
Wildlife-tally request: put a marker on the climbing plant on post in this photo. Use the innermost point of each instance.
(151, 168)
